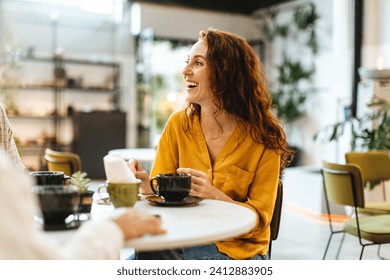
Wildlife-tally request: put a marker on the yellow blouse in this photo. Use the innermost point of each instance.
(244, 170)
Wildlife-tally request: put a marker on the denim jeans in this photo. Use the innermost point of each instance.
(203, 252)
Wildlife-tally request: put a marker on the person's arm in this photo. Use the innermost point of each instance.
(22, 238)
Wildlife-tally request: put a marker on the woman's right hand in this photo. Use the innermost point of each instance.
(142, 174)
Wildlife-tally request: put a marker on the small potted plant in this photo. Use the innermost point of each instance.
(80, 181)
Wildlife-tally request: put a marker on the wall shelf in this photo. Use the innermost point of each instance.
(54, 77)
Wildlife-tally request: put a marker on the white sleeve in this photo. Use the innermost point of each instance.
(101, 239)
(22, 239)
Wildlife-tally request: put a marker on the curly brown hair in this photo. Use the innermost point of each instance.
(238, 84)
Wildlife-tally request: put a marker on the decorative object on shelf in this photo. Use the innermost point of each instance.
(293, 82)
(80, 181)
(64, 79)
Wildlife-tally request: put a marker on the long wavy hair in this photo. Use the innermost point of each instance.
(238, 84)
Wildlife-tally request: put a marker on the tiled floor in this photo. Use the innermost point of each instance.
(303, 232)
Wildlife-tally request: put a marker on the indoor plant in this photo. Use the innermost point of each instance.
(81, 182)
(290, 80)
(368, 132)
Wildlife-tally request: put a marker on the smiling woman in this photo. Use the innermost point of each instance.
(228, 117)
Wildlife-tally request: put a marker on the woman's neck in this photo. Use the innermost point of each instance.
(214, 126)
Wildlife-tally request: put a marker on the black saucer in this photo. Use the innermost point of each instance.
(160, 201)
(73, 224)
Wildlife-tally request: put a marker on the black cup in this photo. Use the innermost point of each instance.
(57, 203)
(49, 178)
(172, 186)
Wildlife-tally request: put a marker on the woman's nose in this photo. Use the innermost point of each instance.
(186, 70)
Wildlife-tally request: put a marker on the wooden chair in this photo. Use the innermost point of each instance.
(276, 217)
(66, 162)
(375, 167)
(343, 185)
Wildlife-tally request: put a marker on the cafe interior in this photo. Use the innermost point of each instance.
(96, 77)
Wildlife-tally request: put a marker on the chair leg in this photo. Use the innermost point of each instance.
(269, 249)
(340, 245)
(361, 252)
(327, 246)
(329, 240)
(379, 254)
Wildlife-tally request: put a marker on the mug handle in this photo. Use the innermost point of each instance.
(152, 185)
(106, 200)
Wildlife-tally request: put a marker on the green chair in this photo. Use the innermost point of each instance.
(66, 162)
(375, 167)
(343, 185)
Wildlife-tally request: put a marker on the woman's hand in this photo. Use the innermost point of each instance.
(134, 224)
(142, 174)
(202, 187)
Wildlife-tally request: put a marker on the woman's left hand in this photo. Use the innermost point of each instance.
(201, 186)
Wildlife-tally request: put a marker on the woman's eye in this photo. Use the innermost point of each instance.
(187, 61)
(198, 63)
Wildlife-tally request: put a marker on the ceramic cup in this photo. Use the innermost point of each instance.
(49, 178)
(171, 186)
(57, 203)
(121, 194)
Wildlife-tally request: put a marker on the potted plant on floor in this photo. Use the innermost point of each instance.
(80, 181)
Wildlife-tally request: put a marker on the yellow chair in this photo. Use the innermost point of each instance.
(343, 185)
(66, 162)
(276, 216)
(375, 167)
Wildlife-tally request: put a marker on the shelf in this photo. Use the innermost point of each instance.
(33, 149)
(35, 117)
(64, 88)
(84, 89)
(73, 61)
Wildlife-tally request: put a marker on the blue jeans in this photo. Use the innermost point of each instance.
(203, 252)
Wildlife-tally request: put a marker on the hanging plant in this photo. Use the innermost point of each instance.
(290, 91)
(305, 19)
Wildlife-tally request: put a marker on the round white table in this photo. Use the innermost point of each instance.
(206, 222)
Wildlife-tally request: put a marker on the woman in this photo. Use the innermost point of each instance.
(227, 139)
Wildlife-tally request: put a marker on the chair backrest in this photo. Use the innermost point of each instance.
(275, 222)
(343, 183)
(276, 216)
(66, 162)
(375, 165)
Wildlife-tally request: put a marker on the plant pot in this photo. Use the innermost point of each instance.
(86, 200)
